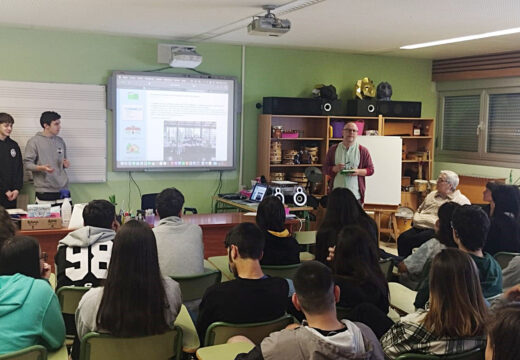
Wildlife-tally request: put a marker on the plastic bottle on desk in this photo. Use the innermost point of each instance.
(66, 212)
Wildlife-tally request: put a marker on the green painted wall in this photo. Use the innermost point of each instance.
(73, 57)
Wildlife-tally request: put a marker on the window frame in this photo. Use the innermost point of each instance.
(484, 89)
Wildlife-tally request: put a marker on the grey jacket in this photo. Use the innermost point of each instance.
(88, 307)
(511, 274)
(180, 247)
(44, 150)
(86, 236)
(357, 343)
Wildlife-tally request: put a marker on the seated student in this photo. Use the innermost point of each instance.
(504, 233)
(7, 228)
(280, 247)
(511, 274)
(412, 266)
(357, 272)
(504, 334)
(470, 227)
(342, 209)
(487, 196)
(322, 335)
(30, 313)
(180, 246)
(252, 296)
(135, 299)
(456, 319)
(84, 254)
(426, 215)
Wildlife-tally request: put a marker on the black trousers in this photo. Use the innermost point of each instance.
(413, 238)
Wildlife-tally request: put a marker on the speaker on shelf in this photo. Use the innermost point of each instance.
(278, 193)
(385, 108)
(301, 106)
(399, 108)
(299, 196)
(362, 107)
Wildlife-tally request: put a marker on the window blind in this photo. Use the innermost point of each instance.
(461, 118)
(504, 124)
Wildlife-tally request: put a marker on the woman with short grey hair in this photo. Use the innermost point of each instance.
(425, 217)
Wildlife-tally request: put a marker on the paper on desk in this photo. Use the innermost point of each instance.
(250, 214)
(16, 211)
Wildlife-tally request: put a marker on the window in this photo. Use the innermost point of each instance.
(480, 126)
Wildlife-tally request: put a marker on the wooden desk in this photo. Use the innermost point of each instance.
(246, 207)
(223, 351)
(214, 230)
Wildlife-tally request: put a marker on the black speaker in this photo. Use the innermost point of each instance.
(386, 108)
(399, 108)
(301, 106)
(362, 107)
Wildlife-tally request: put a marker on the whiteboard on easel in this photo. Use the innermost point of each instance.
(384, 186)
(83, 121)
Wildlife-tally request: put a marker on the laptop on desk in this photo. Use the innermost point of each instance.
(257, 195)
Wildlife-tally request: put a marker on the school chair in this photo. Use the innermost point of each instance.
(190, 339)
(224, 351)
(219, 332)
(69, 297)
(194, 286)
(35, 352)
(503, 258)
(475, 354)
(401, 298)
(342, 312)
(305, 238)
(387, 267)
(95, 346)
(148, 201)
(282, 271)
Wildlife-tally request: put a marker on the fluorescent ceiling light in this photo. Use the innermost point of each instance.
(462, 38)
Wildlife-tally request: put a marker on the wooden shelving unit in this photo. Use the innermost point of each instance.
(314, 131)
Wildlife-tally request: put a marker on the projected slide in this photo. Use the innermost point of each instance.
(168, 123)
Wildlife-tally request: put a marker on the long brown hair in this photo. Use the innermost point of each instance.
(134, 298)
(457, 308)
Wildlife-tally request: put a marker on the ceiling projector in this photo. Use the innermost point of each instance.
(268, 25)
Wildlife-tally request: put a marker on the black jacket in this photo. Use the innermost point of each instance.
(11, 173)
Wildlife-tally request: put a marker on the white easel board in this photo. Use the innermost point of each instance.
(384, 186)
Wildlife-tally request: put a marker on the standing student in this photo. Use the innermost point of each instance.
(355, 159)
(11, 175)
(46, 157)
